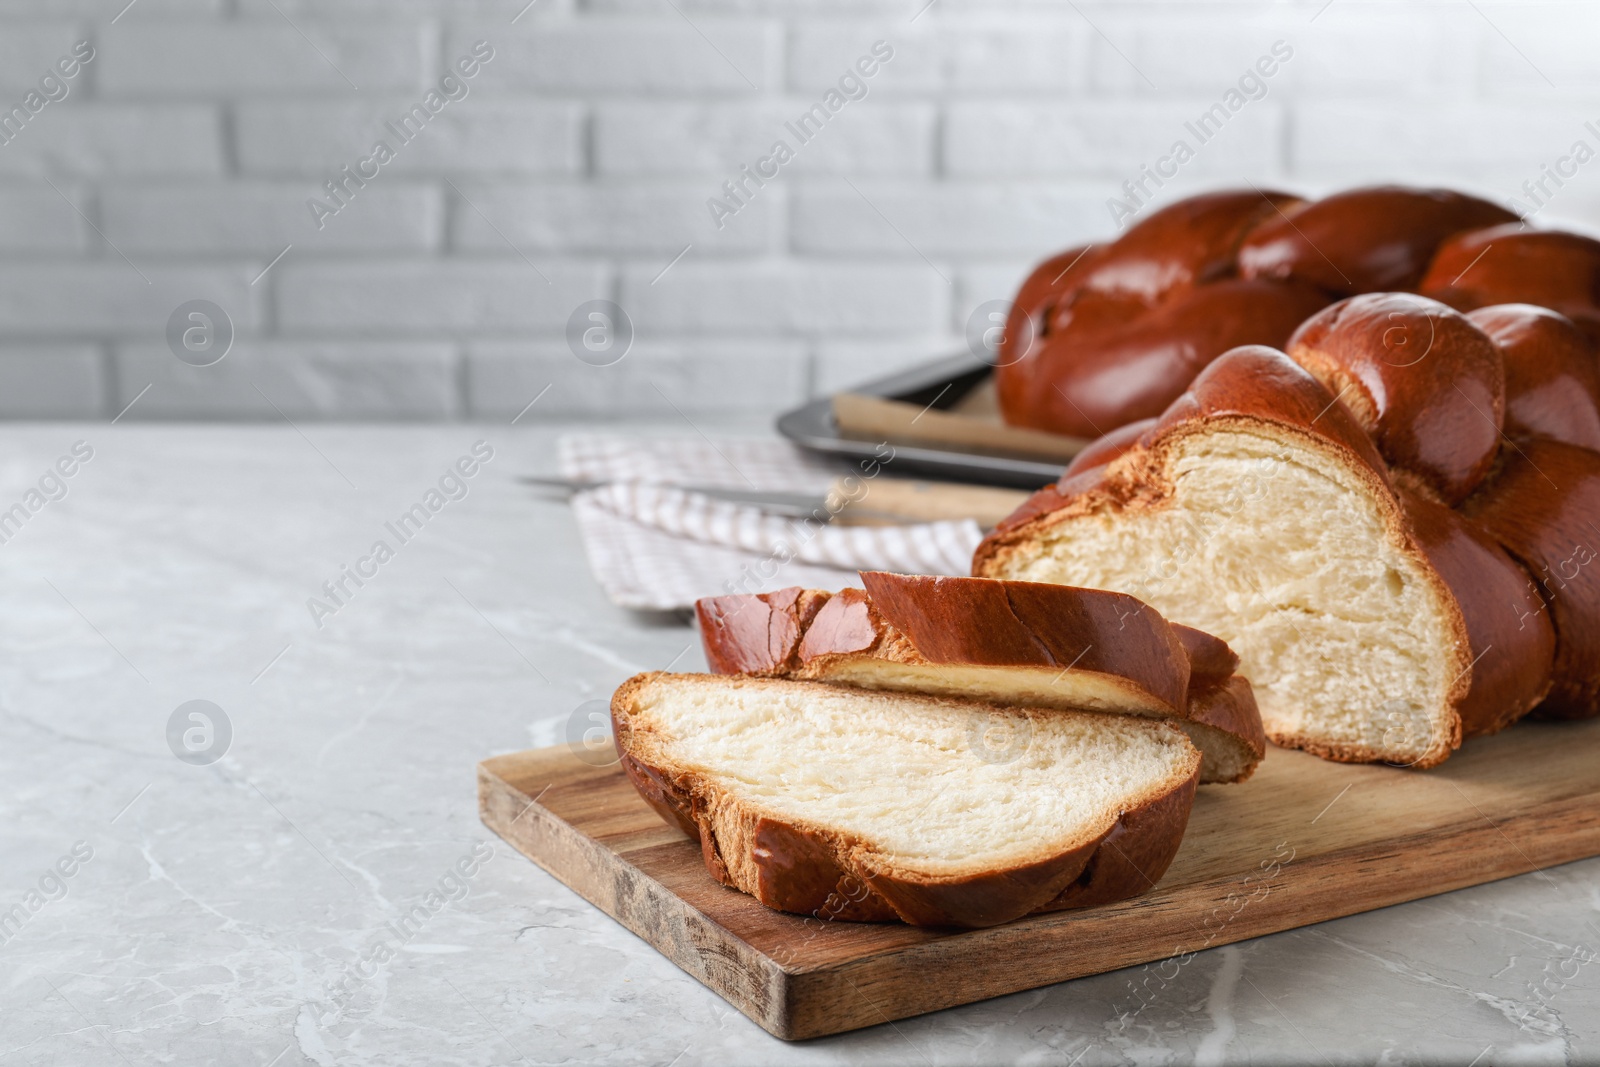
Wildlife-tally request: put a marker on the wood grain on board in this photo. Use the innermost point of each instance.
(1302, 841)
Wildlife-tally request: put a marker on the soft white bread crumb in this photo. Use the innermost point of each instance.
(1288, 555)
(934, 787)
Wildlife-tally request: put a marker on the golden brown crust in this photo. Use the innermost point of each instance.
(1103, 335)
(1510, 264)
(812, 870)
(1250, 386)
(1455, 424)
(1157, 668)
(1552, 377)
(1211, 661)
(1261, 384)
(1225, 725)
(1189, 243)
(1422, 380)
(1543, 506)
(1100, 365)
(848, 622)
(1509, 642)
(1103, 450)
(1032, 310)
(1108, 334)
(1133, 856)
(1229, 707)
(1129, 322)
(757, 633)
(1363, 240)
(984, 622)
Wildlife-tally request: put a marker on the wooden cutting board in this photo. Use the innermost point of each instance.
(1302, 841)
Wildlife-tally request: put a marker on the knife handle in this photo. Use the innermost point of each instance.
(925, 501)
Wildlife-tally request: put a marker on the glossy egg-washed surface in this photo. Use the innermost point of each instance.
(1480, 437)
(1453, 351)
(1112, 333)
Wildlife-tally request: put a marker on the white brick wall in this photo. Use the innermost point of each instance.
(580, 161)
(712, 139)
(260, 217)
(692, 376)
(232, 60)
(406, 297)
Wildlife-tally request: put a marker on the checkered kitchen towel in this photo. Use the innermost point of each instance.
(657, 547)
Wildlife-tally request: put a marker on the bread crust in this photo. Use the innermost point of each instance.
(1103, 450)
(1261, 385)
(1157, 668)
(1511, 643)
(1211, 661)
(796, 866)
(1508, 264)
(1029, 624)
(757, 633)
(1263, 392)
(1184, 245)
(1028, 322)
(1363, 240)
(1141, 314)
(1543, 507)
(1228, 706)
(1121, 364)
(1422, 380)
(1552, 376)
(1104, 335)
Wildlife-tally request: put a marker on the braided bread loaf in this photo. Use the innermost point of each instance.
(1102, 336)
(1392, 524)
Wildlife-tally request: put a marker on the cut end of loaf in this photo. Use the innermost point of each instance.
(950, 811)
(1276, 542)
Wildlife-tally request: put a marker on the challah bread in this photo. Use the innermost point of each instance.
(1011, 643)
(1109, 335)
(1102, 336)
(1374, 622)
(1134, 367)
(845, 805)
(1510, 264)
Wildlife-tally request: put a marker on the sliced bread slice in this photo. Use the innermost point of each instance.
(1014, 643)
(841, 804)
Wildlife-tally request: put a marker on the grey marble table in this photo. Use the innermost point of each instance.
(238, 911)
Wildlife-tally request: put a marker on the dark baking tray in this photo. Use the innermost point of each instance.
(940, 384)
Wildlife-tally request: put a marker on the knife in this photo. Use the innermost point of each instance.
(891, 499)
